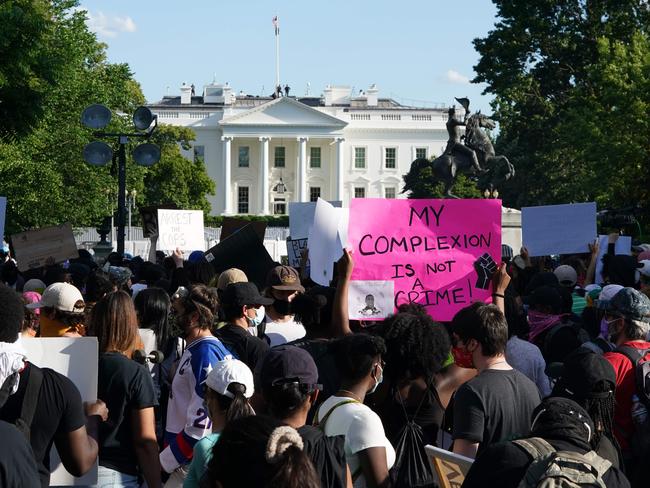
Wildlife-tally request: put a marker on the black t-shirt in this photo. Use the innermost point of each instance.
(494, 406)
(248, 348)
(124, 386)
(327, 454)
(505, 464)
(17, 463)
(58, 412)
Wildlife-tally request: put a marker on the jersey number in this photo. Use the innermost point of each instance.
(202, 422)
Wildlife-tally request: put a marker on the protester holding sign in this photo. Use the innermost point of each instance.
(54, 402)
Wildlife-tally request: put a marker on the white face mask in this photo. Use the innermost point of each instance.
(378, 380)
(259, 317)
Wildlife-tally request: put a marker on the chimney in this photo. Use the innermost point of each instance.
(372, 96)
(328, 95)
(186, 94)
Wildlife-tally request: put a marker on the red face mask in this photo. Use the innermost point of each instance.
(462, 357)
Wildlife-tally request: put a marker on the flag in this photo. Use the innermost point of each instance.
(276, 24)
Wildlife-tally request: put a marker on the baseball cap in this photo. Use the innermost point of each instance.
(606, 294)
(232, 275)
(643, 255)
(547, 296)
(32, 297)
(641, 248)
(645, 268)
(284, 278)
(631, 303)
(34, 285)
(566, 275)
(239, 294)
(585, 374)
(229, 371)
(287, 363)
(63, 297)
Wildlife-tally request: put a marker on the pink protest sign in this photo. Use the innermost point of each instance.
(438, 253)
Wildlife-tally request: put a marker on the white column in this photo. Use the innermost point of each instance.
(338, 194)
(227, 183)
(264, 175)
(302, 169)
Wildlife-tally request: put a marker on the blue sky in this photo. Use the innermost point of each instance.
(413, 50)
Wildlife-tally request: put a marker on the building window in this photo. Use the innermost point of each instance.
(389, 192)
(242, 200)
(199, 153)
(359, 192)
(390, 157)
(420, 153)
(279, 161)
(244, 157)
(314, 193)
(314, 157)
(359, 157)
(279, 206)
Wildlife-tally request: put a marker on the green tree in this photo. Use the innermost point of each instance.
(570, 86)
(42, 171)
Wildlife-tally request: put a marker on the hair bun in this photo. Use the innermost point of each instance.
(281, 439)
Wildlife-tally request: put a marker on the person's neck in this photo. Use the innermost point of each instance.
(296, 420)
(624, 339)
(276, 317)
(240, 322)
(354, 391)
(492, 362)
(196, 333)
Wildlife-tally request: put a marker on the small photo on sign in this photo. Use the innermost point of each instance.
(370, 300)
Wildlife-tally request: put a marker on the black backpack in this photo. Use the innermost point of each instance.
(30, 399)
(412, 467)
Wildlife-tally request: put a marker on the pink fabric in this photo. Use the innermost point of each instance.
(539, 322)
(33, 297)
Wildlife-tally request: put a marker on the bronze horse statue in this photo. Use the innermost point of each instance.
(446, 167)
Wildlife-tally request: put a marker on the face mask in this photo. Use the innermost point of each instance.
(259, 317)
(612, 333)
(378, 381)
(282, 307)
(462, 357)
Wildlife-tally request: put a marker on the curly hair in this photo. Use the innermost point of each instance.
(11, 314)
(356, 353)
(416, 346)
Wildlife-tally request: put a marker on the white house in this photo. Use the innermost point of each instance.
(264, 152)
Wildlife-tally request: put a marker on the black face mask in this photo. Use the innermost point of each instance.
(282, 307)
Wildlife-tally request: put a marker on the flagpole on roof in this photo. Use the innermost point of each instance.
(276, 24)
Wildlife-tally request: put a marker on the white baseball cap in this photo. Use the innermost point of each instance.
(644, 267)
(61, 296)
(229, 371)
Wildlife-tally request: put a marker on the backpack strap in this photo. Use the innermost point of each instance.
(321, 423)
(6, 388)
(536, 447)
(30, 400)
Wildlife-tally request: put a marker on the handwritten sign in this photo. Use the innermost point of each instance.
(182, 229)
(34, 247)
(558, 229)
(428, 248)
(76, 359)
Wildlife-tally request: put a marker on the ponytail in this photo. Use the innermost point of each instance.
(238, 406)
(292, 467)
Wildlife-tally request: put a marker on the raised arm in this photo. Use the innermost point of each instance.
(340, 317)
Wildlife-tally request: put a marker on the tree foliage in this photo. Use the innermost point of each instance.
(422, 183)
(570, 80)
(42, 171)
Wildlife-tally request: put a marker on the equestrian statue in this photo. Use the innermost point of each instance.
(471, 153)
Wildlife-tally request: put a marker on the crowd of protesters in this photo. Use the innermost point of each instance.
(207, 380)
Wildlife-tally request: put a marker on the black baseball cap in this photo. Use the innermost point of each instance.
(545, 295)
(284, 364)
(585, 374)
(240, 294)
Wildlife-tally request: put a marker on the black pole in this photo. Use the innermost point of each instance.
(121, 195)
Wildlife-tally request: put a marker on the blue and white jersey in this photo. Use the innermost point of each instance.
(187, 417)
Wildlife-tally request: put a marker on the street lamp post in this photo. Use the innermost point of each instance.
(131, 195)
(99, 153)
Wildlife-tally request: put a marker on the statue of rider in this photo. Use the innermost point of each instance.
(454, 144)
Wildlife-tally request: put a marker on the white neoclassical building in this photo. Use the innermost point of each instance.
(264, 152)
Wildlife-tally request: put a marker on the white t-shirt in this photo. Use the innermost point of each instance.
(149, 342)
(282, 332)
(362, 429)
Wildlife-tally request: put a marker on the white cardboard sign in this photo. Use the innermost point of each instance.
(301, 218)
(3, 213)
(75, 358)
(324, 242)
(182, 229)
